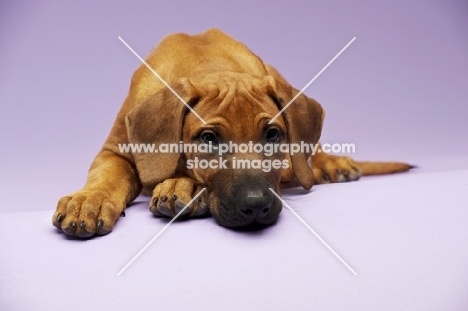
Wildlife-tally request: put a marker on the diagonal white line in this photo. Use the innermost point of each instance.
(313, 79)
(315, 233)
(161, 79)
(159, 233)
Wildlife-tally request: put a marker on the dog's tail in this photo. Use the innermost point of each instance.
(379, 168)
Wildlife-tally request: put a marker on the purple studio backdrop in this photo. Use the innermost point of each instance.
(399, 92)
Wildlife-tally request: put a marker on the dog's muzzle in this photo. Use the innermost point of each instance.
(247, 201)
(254, 203)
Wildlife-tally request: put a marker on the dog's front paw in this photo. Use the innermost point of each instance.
(331, 169)
(172, 195)
(87, 212)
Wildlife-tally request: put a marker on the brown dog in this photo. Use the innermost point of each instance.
(237, 94)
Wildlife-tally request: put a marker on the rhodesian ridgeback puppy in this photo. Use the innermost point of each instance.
(237, 95)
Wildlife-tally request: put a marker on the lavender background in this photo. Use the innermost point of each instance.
(398, 92)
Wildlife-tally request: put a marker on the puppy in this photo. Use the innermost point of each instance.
(219, 94)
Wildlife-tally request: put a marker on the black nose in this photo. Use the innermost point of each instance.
(255, 202)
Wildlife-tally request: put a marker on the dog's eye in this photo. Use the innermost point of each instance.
(209, 137)
(272, 135)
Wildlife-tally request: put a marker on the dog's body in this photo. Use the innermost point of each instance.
(237, 95)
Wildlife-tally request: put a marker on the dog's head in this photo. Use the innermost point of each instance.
(233, 154)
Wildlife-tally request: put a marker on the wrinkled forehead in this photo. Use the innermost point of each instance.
(236, 112)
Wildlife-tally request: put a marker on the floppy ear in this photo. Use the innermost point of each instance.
(304, 119)
(158, 120)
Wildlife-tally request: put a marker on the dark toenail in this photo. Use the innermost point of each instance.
(338, 171)
(122, 214)
(174, 197)
(326, 177)
(59, 217)
(82, 224)
(346, 173)
(100, 223)
(155, 201)
(199, 199)
(163, 198)
(73, 224)
(163, 209)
